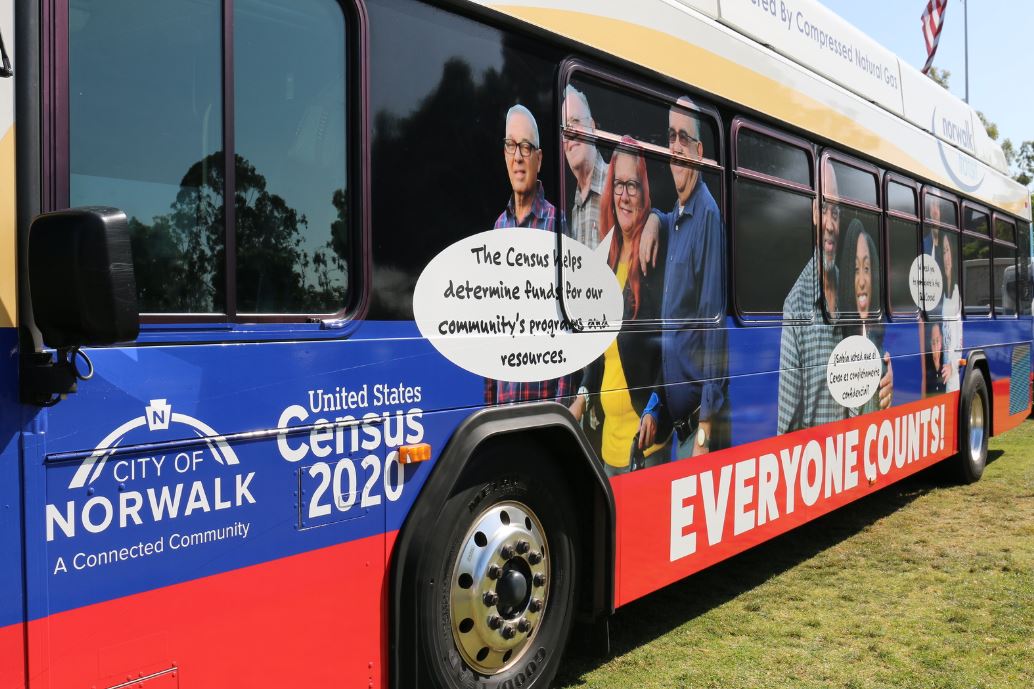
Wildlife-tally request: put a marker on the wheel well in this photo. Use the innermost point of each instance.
(481, 447)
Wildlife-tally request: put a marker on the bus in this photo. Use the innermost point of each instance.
(383, 343)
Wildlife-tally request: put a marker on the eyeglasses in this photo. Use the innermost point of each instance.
(577, 123)
(526, 147)
(630, 187)
(833, 210)
(683, 136)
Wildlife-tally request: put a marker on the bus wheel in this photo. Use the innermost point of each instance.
(499, 582)
(974, 420)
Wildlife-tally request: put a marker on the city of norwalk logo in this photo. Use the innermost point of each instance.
(158, 416)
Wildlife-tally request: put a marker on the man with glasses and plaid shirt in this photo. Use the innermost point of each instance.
(804, 350)
(527, 207)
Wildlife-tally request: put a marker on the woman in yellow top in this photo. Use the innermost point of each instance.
(617, 386)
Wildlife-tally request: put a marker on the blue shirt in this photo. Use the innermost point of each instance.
(694, 290)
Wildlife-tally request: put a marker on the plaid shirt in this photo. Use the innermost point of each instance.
(542, 217)
(585, 212)
(804, 351)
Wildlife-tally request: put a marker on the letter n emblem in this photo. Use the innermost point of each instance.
(158, 415)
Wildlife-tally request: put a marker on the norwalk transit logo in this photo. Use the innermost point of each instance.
(128, 489)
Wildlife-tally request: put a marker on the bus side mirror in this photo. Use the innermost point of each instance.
(81, 280)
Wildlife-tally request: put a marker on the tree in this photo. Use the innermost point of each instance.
(939, 76)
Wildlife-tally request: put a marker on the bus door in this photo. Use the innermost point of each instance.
(211, 501)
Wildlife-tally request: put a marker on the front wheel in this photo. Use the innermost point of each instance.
(497, 584)
(974, 428)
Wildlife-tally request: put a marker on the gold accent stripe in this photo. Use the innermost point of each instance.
(715, 74)
(8, 237)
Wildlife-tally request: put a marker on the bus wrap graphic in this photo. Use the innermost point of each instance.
(157, 416)
(155, 484)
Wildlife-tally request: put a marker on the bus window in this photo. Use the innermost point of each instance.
(1004, 274)
(157, 156)
(940, 220)
(902, 247)
(672, 150)
(161, 155)
(850, 207)
(293, 226)
(976, 275)
(773, 223)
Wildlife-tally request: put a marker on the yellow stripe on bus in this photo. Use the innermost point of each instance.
(714, 74)
(8, 240)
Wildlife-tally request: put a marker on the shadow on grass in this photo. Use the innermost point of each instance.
(655, 615)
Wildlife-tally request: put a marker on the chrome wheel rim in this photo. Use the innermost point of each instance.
(500, 587)
(976, 429)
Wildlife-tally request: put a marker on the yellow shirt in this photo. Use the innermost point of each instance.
(621, 422)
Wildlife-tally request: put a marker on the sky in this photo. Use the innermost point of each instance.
(1000, 33)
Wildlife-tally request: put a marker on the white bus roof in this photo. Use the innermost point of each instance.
(803, 64)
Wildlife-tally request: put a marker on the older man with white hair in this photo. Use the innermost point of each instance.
(528, 207)
(522, 153)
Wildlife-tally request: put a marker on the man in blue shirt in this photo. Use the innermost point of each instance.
(693, 395)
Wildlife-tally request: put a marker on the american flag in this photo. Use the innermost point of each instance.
(933, 22)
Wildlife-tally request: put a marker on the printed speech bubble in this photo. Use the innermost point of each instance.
(490, 304)
(924, 279)
(854, 371)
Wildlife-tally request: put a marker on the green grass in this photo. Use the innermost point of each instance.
(924, 585)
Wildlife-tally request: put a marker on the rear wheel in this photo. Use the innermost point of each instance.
(974, 428)
(497, 584)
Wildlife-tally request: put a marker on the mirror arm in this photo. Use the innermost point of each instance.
(48, 378)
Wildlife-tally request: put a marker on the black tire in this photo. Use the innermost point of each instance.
(447, 642)
(974, 428)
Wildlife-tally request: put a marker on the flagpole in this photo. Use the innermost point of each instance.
(965, 30)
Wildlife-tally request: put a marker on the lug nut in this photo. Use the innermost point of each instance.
(534, 605)
(535, 558)
(490, 598)
(523, 547)
(539, 579)
(523, 625)
(494, 571)
(506, 552)
(508, 631)
(494, 622)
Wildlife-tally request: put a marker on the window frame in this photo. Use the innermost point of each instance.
(189, 327)
(889, 178)
(966, 204)
(937, 192)
(1015, 246)
(636, 88)
(738, 124)
(828, 156)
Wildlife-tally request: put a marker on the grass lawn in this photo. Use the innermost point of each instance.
(923, 585)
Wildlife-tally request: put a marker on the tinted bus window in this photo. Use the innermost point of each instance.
(292, 220)
(773, 225)
(160, 154)
(976, 221)
(940, 210)
(854, 184)
(1005, 230)
(1004, 280)
(946, 259)
(850, 243)
(902, 245)
(976, 275)
(772, 157)
(901, 198)
(145, 135)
